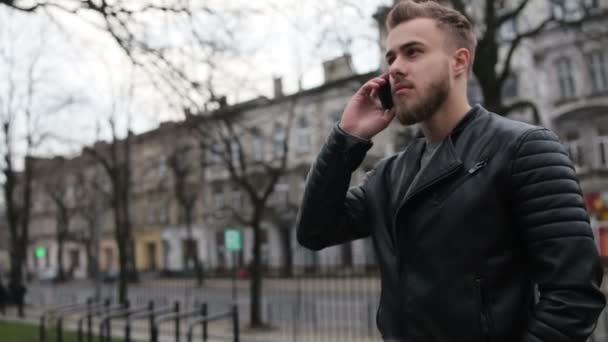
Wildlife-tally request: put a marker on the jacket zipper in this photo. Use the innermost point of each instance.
(478, 166)
(485, 318)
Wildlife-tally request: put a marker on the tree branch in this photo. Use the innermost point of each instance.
(515, 44)
(512, 14)
(522, 105)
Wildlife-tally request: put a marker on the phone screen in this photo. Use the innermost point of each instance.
(385, 95)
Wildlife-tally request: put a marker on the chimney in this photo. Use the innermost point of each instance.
(338, 68)
(278, 87)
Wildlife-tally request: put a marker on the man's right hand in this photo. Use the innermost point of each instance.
(364, 116)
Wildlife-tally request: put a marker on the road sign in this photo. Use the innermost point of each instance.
(233, 240)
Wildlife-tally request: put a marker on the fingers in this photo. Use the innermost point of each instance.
(370, 88)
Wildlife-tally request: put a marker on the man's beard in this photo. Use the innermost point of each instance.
(409, 114)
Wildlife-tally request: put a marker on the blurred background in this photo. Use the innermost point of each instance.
(156, 151)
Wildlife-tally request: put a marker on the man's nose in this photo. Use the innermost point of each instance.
(398, 69)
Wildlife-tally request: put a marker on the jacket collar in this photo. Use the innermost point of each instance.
(474, 112)
(445, 161)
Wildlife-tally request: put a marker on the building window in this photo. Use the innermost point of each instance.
(575, 150)
(303, 138)
(598, 70)
(258, 146)
(214, 154)
(280, 196)
(218, 196)
(278, 139)
(236, 198)
(334, 118)
(592, 4)
(235, 153)
(602, 147)
(565, 78)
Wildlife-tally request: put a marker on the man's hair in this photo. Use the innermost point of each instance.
(456, 25)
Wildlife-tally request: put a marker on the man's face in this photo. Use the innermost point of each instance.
(419, 69)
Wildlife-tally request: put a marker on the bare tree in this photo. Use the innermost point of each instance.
(135, 25)
(186, 190)
(23, 104)
(284, 217)
(56, 187)
(91, 198)
(493, 65)
(115, 159)
(223, 136)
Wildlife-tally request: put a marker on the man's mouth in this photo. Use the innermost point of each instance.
(403, 90)
(403, 87)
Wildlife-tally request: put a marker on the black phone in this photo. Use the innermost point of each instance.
(385, 94)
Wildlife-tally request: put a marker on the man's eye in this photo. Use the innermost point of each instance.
(412, 52)
(390, 60)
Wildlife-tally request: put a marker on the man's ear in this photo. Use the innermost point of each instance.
(461, 61)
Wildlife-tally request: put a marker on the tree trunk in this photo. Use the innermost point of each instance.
(256, 279)
(60, 270)
(287, 267)
(192, 252)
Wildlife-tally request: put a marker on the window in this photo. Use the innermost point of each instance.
(235, 153)
(303, 143)
(236, 198)
(565, 78)
(592, 4)
(258, 146)
(334, 118)
(218, 196)
(602, 147)
(575, 150)
(598, 70)
(214, 154)
(278, 139)
(280, 196)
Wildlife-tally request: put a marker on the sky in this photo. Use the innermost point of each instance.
(77, 60)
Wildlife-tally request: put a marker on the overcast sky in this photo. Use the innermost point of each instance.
(278, 38)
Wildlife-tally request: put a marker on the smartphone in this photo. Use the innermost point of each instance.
(385, 94)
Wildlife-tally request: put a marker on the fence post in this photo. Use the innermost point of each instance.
(204, 313)
(60, 329)
(153, 330)
(176, 321)
(235, 322)
(42, 328)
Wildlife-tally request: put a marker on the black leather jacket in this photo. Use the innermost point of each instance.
(497, 211)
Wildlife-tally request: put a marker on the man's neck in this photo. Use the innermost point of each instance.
(440, 125)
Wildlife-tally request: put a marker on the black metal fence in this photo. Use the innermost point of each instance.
(184, 323)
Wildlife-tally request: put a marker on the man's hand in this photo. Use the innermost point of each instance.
(364, 116)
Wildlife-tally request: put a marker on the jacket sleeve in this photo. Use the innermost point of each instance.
(330, 212)
(554, 226)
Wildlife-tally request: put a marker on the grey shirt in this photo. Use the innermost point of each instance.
(427, 155)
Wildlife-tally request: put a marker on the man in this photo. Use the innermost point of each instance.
(471, 217)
